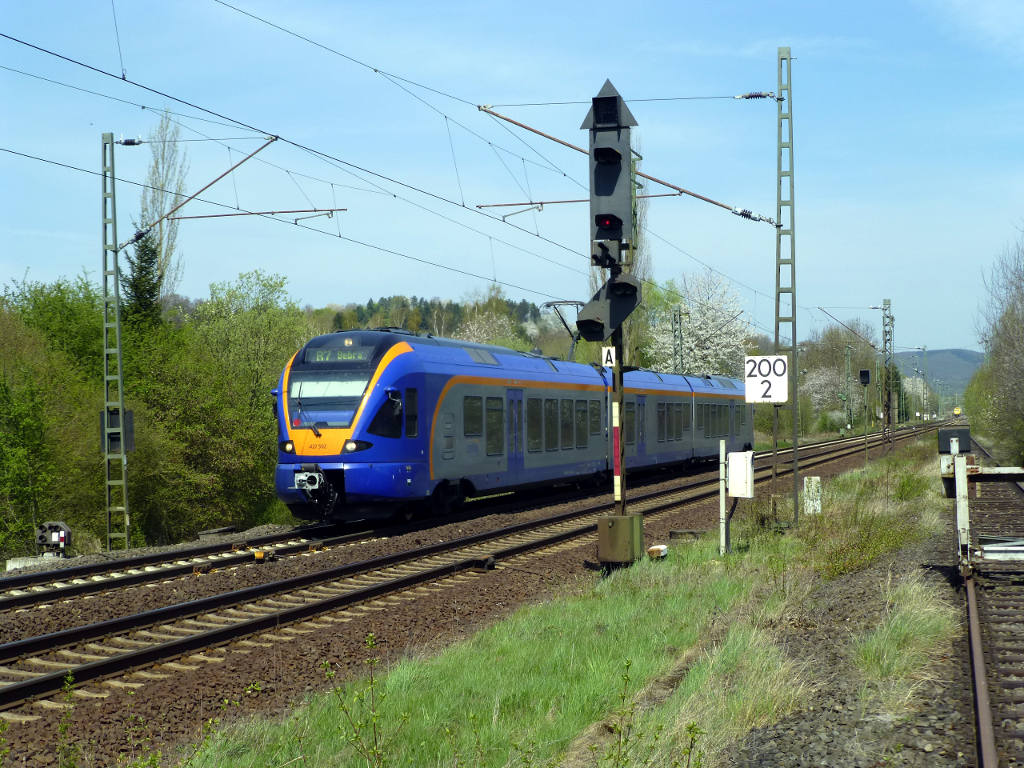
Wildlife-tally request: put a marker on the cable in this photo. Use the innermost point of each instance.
(326, 157)
(665, 98)
(117, 37)
(115, 98)
(362, 243)
(870, 343)
(394, 79)
(382, 190)
(345, 56)
(455, 163)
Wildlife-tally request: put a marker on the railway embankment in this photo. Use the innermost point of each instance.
(838, 643)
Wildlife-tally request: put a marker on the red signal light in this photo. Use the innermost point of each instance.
(607, 221)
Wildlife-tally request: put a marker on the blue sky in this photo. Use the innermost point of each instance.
(908, 120)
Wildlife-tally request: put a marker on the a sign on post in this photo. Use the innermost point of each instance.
(608, 357)
(767, 378)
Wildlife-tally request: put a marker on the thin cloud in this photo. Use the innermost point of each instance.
(998, 24)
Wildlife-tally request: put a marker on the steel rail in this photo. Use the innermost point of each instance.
(62, 590)
(61, 577)
(987, 754)
(15, 693)
(34, 578)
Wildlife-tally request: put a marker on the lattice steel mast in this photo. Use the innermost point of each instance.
(785, 261)
(114, 442)
(888, 321)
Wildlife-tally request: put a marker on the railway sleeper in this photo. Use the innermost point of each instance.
(254, 644)
(147, 674)
(20, 674)
(85, 693)
(45, 663)
(81, 656)
(51, 704)
(164, 636)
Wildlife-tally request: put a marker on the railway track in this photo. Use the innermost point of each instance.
(40, 588)
(994, 592)
(127, 652)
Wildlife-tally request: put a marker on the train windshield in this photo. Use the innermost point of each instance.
(325, 399)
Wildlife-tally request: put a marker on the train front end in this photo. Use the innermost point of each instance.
(348, 438)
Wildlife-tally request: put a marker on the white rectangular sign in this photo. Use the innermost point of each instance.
(767, 378)
(608, 357)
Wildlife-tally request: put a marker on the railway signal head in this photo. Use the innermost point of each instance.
(611, 193)
(609, 308)
(865, 377)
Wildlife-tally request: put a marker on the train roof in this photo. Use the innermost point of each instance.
(496, 357)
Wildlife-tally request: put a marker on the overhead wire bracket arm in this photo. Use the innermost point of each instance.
(678, 189)
(143, 231)
(559, 202)
(314, 211)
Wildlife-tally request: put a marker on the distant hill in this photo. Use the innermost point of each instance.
(953, 366)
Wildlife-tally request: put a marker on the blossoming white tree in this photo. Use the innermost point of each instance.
(712, 331)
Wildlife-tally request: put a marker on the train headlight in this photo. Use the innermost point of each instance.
(287, 446)
(351, 446)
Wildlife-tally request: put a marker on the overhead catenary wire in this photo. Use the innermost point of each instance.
(327, 157)
(117, 37)
(742, 212)
(859, 336)
(352, 240)
(336, 52)
(115, 98)
(633, 101)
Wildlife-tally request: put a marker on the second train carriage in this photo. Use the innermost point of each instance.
(371, 419)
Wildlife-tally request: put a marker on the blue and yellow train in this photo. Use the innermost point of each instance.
(388, 420)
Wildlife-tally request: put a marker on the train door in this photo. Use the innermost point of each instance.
(516, 430)
(641, 428)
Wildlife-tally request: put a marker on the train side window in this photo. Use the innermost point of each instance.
(472, 416)
(595, 417)
(567, 441)
(495, 426)
(582, 435)
(387, 422)
(677, 421)
(412, 414)
(629, 423)
(685, 409)
(534, 424)
(550, 424)
(700, 418)
(662, 422)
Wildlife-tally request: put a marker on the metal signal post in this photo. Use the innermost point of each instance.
(620, 537)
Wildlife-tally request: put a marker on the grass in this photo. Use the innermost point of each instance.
(895, 656)
(665, 663)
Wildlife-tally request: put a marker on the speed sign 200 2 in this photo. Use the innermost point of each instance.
(767, 378)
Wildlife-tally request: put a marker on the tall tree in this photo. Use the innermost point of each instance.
(141, 284)
(165, 187)
(1003, 335)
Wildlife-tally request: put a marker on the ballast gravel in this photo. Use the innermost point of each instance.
(834, 728)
